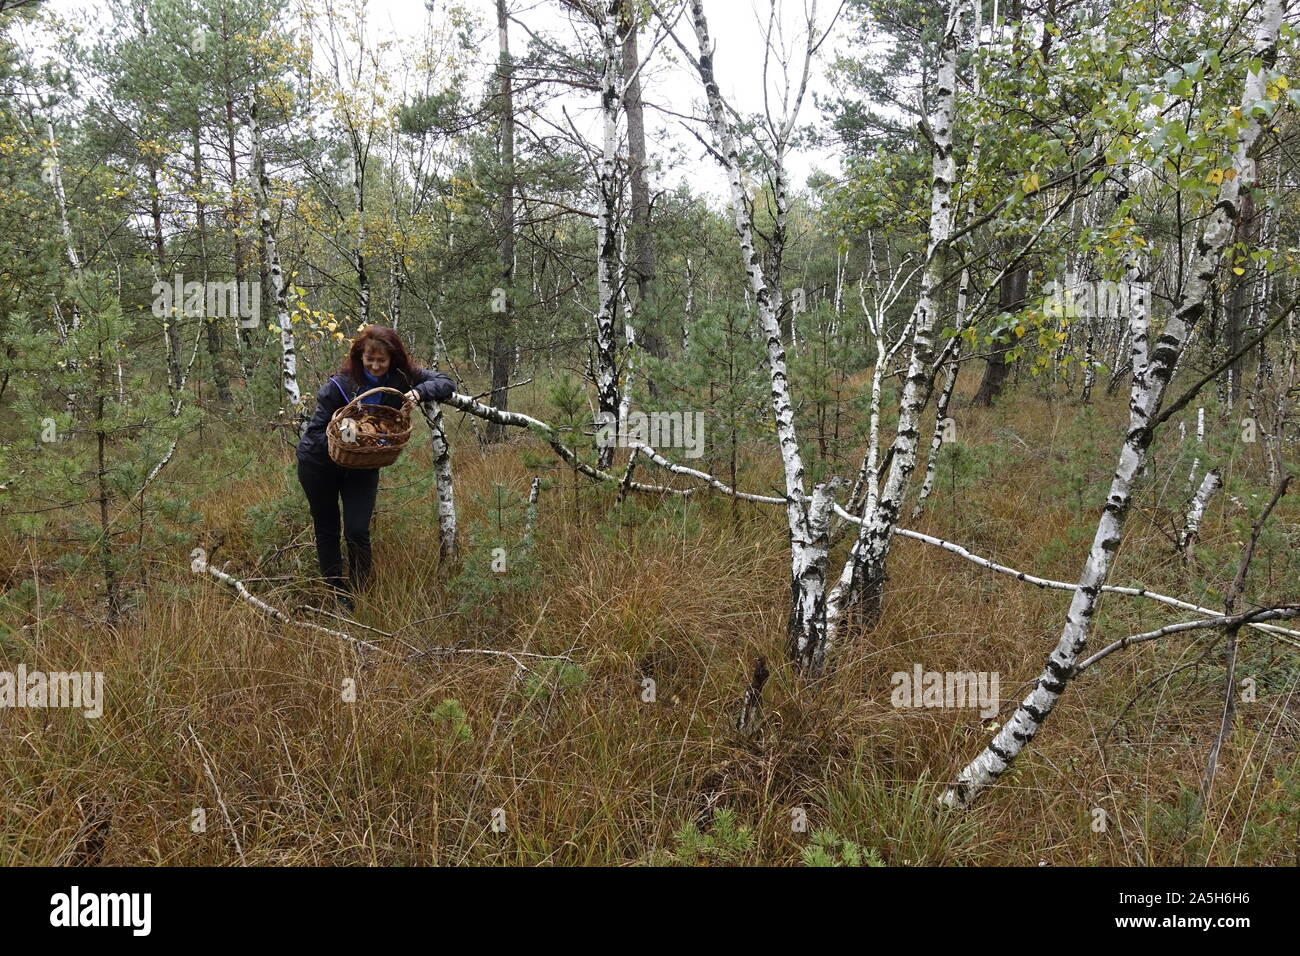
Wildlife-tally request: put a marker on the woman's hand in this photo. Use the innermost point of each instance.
(412, 397)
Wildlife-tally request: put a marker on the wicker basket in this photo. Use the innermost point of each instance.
(369, 450)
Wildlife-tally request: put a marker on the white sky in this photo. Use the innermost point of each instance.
(735, 25)
(736, 28)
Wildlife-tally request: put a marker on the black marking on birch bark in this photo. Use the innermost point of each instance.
(1060, 670)
(1035, 715)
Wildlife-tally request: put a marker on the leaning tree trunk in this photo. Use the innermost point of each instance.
(1149, 384)
(808, 520)
(262, 188)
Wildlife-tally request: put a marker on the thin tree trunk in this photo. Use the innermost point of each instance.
(608, 396)
(502, 351)
(171, 322)
(861, 584)
(644, 264)
(359, 247)
(288, 351)
(219, 375)
(807, 519)
(447, 545)
(1192, 526)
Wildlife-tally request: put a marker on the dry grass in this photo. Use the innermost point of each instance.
(685, 594)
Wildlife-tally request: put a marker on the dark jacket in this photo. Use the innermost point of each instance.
(312, 446)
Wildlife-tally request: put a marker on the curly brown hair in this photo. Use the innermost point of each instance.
(381, 335)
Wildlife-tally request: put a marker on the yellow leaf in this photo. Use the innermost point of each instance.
(1238, 270)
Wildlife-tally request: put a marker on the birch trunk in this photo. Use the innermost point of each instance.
(689, 307)
(1209, 487)
(69, 249)
(1146, 396)
(936, 440)
(607, 387)
(447, 548)
(262, 188)
(862, 583)
(808, 522)
(359, 249)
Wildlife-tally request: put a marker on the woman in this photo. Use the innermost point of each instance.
(377, 358)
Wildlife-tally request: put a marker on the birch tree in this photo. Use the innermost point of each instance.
(261, 192)
(863, 578)
(1146, 397)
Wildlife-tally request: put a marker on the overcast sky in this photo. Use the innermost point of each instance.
(736, 27)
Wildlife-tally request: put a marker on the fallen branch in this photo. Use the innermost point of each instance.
(663, 462)
(467, 404)
(276, 613)
(1232, 621)
(513, 655)
(547, 434)
(1064, 585)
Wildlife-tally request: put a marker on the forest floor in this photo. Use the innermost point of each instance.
(227, 737)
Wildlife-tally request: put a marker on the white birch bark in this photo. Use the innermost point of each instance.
(65, 225)
(262, 188)
(1089, 360)
(936, 440)
(530, 517)
(687, 319)
(862, 582)
(447, 546)
(359, 252)
(69, 250)
(867, 483)
(963, 296)
(1192, 527)
(1144, 404)
(608, 396)
(629, 333)
(808, 522)
(1200, 441)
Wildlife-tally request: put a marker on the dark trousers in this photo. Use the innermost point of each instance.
(324, 485)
